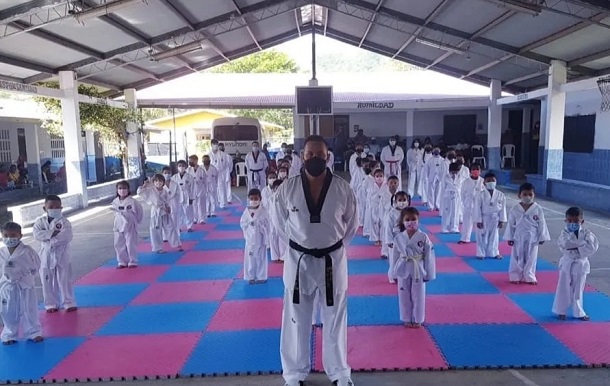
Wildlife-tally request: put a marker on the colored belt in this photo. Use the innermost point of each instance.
(328, 269)
(393, 165)
(415, 259)
(255, 173)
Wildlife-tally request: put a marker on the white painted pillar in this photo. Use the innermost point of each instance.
(299, 129)
(410, 127)
(494, 126)
(555, 115)
(134, 140)
(75, 154)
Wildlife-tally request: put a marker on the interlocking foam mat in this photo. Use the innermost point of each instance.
(191, 314)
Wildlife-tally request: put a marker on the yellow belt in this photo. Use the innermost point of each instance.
(415, 260)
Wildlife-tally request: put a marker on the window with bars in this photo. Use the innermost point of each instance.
(58, 149)
(5, 146)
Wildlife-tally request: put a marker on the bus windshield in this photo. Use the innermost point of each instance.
(229, 133)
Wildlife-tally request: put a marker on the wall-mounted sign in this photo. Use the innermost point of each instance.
(522, 97)
(375, 105)
(18, 87)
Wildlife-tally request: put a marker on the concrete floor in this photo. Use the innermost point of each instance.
(93, 246)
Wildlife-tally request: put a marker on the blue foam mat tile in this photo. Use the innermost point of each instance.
(235, 352)
(493, 265)
(434, 220)
(161, 319)
(460, 283)
(242, 290)
(442, 250)
(219, 245)
(200, 272)
(227, 227)
(372, 311)
(448, 237)
(360, 240)
(193, 236)
(27, 361)
(152, 258)
(215, 220)
(365, 267)
(539, 306)
(497, 345)
(108, 295)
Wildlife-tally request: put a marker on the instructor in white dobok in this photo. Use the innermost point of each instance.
(316, 213)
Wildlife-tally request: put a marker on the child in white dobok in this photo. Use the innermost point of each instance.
(374, 215)
(525, 231)
(490, 216)
(54, 232)
(212, 177)
(276, 242)
(385, 206)
(128, 214)
(433, 171)
(162, 226)
(414, 266)
(185, 192)
(450, 204)
(392, 219)
(19, 265)
(471, 188)
(254, 223)
(576, 244)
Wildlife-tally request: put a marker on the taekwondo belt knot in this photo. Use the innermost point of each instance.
(415, 259)
(328, 271)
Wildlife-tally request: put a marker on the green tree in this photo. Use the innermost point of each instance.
(268, 61)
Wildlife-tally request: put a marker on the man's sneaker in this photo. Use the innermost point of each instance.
(343, 382)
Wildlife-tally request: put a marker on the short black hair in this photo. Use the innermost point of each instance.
(401, 193)
(271, 172)
(288, 158)
(526, 186)
(166, 168)
(455, 167)
(575, 212)
(159, 177)
(254, 192)
(11, 226)
(315, 138)
(194, 156)
(490, 175)
(52, 197)
(393, 178)
(181, 162)
(214, 142)
(475, 166)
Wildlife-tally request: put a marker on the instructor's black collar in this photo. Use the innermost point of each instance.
(315, 209)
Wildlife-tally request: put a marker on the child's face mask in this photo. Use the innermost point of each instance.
(411, 225)
(54, 213)
(491, 185)
(11, 242)
(527, 199)
(573, 227)
(254, 203)
(282, 175)
(181, 169)
(167, 176)
(400, 205)
(270, 181)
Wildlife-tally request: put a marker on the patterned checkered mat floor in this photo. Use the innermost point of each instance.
(190, 313)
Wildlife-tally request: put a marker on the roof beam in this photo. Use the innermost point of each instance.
(437, 11)
(487, 66)
(589, 58)
(392, 17)
(326, 15)
(27, 65)
(600, 5)
(526, 77)
(368, 27)
(240, 13)
(117, 23)
(18, 11)
(297, 21)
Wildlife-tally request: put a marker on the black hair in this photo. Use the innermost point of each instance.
(392, 178)
(413, 143)
(377, 171)
(276, 184)
(271, 172)
(282, 167)
(359, 162)
(315, 138)
(11, 226)
(401, 193)
(288, 158)
(451, 154)
(125, 184)
(254, 192)
(403, 213)
(526, 186)
(159, 177)
(166, 168)
(454, 167)
(214, 142)
(181, 162)
(490, 175)
(52, 197)
(194, 156)
(256, 142)
(475, 166)
(575, 212)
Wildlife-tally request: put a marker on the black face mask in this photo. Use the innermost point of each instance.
(221, 148)
(315, 166)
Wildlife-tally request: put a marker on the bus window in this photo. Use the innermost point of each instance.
(236, 133)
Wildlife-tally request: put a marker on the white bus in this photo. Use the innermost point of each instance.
(237, 133)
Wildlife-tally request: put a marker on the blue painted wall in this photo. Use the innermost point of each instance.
(589, 167)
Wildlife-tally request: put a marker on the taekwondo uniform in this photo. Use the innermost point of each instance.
(392, 157)
(254, 223)
(450, 209)
(470, 189)
(162, 225)
(489, 209)
(128, 214)
(200, 193)
(390, 231)
(212, 176)
(256, 163)
(224, 165)
(373, 215)
(415, 162)
(433, 171)
(185, 192)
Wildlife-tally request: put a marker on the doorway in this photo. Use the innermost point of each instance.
(21, 143)
(514, 134)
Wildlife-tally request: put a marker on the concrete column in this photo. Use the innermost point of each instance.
(90, 156)
(494, 126)
(134, 140)
(555, 116)
(410, 123)
(75, 154)
(299, 129)
(542, 136)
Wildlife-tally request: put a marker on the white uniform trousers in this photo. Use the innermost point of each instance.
(295, 338)
(212, 202)
(200, 208)
(168, 233)
(467, 225)
(415, 185)
(433, 195)
(228, 191)
(412, 300)
(255, 263)
(523, 260)
(277, 245)
(450, 215)
(19, 306)
(256, 179)
(391, 262)
(488, 238)
(317, 310)
(221, 192)
(570, 291)
(186, 215)
(126, 247)
(57, 287)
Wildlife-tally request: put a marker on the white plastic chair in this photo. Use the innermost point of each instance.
(240, 170)
(478, 149)
(508, 153)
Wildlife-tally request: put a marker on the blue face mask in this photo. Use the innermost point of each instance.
(573, 227)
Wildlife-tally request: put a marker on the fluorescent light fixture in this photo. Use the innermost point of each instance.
(519, 6)
(180, 50)
(440, 46)
(105, 9)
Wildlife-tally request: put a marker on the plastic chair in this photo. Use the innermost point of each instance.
(508, 153)
(241, 172)
(478, 155)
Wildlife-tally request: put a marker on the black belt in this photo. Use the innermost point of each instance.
(328, 271)
(255, 173)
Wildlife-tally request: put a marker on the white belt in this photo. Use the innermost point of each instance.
(416, 259)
